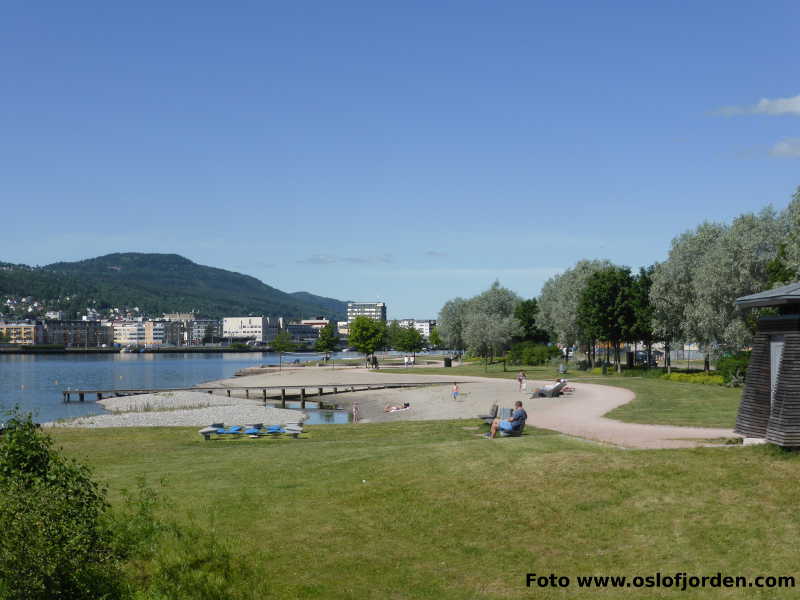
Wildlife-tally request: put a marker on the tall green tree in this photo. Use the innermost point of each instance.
(434, 338)
(605, 310)
(410, 340)
(559, 299)
(527, 313)
(642, 329)
(327, 341)
(367, 335)
(282, 343)
(393, 333)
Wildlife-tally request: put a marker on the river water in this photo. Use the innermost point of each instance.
(35, 382)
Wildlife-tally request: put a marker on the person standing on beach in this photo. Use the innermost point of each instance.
(455, 391)
(519, 380)
(355, 412)
(524, 382)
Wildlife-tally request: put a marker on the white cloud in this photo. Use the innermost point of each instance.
(318, 259)
(786, 148)
(329, 259)
(765, 106)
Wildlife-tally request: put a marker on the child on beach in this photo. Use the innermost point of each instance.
(455, 391)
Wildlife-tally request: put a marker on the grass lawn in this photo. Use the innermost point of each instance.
(431, 510)
(658, 401)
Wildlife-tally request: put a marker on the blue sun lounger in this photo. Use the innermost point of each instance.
(234, 430)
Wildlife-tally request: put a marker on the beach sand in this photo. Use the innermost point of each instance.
(577, 414)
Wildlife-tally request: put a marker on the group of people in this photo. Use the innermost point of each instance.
(409, 361)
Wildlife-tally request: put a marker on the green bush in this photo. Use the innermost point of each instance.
(531, 353)
(55, 540)
(733, 367)
(61, 540)
(701, 378)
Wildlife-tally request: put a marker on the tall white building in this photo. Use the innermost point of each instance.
(424, 326)
(241, 328)
(373, 310)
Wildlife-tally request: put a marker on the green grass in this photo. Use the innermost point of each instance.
(664, 402)
(431, 510)
(657, 401)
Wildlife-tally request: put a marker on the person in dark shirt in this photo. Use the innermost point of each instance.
(512, 425)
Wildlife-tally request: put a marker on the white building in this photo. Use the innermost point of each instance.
(424, 326)
(129, 333)
(317, 323)
(243, 328)
(373, 310)
(343, 327)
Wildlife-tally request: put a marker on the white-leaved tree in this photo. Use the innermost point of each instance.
(559, 299)
(450, 323)
(735, 265)
(483, 324)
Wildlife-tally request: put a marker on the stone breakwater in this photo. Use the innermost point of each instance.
(183, 409)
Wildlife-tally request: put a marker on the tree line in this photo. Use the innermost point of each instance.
(689, 297)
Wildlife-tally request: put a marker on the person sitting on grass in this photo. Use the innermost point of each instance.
(515, 423)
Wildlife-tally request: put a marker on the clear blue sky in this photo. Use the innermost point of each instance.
(407, 151)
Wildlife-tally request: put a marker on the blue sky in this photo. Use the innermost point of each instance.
(410, 151)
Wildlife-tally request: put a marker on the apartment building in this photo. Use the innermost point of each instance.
(424, 326)
(373, 310)
(75, 333)
(129, 333)
(22, 333)
(246, 328)
(166, 333)
(196, 330)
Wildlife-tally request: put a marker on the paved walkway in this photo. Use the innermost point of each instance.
(579, 413)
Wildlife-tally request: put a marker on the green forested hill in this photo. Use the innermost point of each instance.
(159, 283)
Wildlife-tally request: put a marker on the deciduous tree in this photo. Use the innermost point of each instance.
(367, 335)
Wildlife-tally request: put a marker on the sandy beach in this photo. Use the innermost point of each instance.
(579, 413)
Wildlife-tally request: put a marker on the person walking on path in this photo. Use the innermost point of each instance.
(405, 362)
(524, 382)
(520, 377)
(455, 391)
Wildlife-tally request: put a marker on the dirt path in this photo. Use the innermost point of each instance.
(579, 413)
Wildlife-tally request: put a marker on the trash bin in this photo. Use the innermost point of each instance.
(448, 362)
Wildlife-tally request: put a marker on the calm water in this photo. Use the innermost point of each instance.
(35, 381)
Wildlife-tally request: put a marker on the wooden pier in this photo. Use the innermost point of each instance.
(275, 392)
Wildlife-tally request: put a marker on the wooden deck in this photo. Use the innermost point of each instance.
(275, 392)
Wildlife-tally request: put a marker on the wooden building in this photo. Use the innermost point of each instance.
(770, 407)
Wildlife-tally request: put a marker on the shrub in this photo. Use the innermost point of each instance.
(733, 368)
(55, 542)
(531, 353)
(701, 378)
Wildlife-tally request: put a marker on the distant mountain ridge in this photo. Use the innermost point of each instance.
(159, 283)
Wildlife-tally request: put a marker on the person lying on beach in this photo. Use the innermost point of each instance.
(390, 408)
